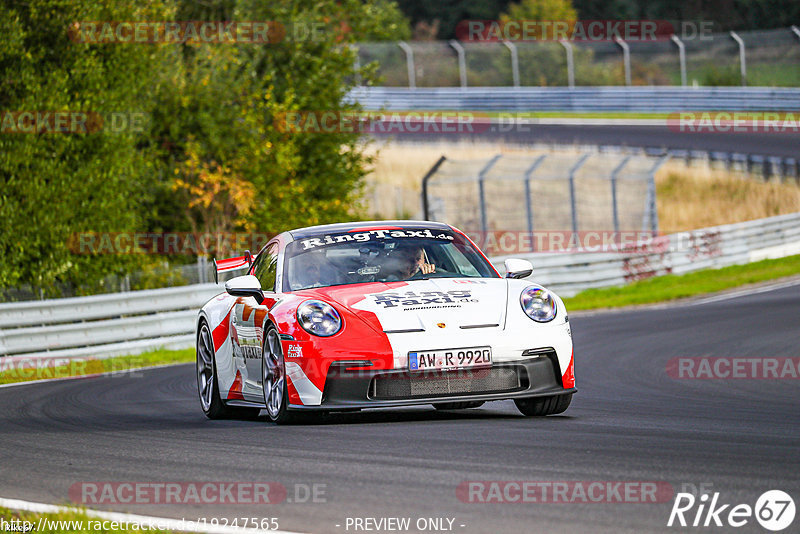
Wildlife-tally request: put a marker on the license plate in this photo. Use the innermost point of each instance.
(431, 360)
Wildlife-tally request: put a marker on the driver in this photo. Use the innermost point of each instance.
(314, 270)
(413, 261)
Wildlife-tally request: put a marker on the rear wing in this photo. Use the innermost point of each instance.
(232, 264)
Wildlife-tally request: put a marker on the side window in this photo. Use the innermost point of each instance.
(266, 268)
(464, 265)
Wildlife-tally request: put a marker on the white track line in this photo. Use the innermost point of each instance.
(161, 523)
(93, 375)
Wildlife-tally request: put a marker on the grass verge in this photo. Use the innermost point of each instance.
(649, 115)
(14, 370)
(67, 522)
(672, 287)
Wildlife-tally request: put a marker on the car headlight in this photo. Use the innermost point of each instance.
(319, 318)
(538, 304)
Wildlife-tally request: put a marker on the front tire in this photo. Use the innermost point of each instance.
(273, 379)
(207, 386)
(540, 406)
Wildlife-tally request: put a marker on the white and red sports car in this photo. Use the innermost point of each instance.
(364, 315)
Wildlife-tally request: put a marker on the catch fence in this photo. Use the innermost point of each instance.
(544, 193)
(768, 58)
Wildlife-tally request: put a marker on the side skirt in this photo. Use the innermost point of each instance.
(244, 404)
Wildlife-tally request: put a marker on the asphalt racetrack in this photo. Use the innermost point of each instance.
(630, 421)
(783, 144)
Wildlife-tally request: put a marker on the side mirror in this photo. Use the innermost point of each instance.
(245, 286)
(516, 268)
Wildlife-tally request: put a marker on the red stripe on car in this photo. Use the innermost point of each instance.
(236, 389)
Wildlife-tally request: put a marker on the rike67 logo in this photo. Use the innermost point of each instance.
(774, 510)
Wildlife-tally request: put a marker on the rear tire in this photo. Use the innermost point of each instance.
(207, 386)
(465, 405)
(540, 406)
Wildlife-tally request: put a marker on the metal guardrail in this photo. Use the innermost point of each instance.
(103, 325)
(128, 323)
(169, 274)
(55, 311)
(720, 246)
(613, 98)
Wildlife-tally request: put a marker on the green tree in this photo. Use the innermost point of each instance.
(449, 13)
(541, 10)
(53, 185)
(210, 138)
(227, 100)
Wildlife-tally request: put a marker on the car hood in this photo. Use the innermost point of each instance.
(419, 305)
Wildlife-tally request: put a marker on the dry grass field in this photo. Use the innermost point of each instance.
(691, 198)
(688, 197)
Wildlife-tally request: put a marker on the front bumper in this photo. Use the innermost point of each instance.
(349, 388)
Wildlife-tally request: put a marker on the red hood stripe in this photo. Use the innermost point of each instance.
(373, 228)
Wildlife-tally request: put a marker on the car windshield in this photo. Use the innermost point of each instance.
(381, 256)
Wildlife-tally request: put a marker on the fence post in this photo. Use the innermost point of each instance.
(681, 57)
(514, 61)
(412, 73)
(614, 206)
(356, 64)
(742, 60)
(626, 59)
(528, 204)
(791, 169)
(570, 63)
(482, 195)
(572, 202)
(201, 271)
(796, 31)
(425, 205)
(399, 202)
(462, 61)
(652, 212)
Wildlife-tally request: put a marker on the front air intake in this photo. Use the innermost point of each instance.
(441, 383)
